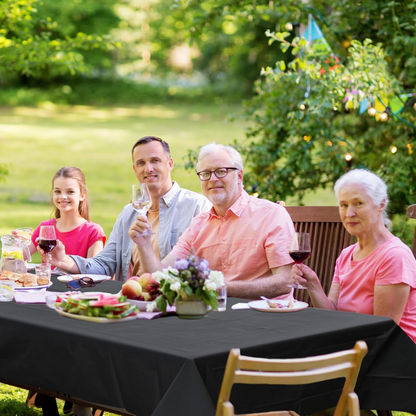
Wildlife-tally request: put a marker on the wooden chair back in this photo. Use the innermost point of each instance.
(328, 238)
(411, 213)
(294, 371)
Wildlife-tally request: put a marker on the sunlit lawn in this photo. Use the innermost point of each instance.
(36, 142)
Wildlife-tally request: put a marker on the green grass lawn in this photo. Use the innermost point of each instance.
(36, 142)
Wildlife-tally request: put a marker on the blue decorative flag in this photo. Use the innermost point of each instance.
(363, 106)
(312, 31)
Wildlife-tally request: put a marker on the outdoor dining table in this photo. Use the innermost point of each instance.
(174, 367)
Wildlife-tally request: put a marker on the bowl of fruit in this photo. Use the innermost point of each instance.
(141, 290)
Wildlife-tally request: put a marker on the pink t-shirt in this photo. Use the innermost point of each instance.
(392, 263)
(253, 237)
(78, 241)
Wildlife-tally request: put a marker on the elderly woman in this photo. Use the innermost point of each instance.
(377, 275)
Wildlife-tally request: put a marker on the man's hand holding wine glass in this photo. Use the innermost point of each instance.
(140, 230)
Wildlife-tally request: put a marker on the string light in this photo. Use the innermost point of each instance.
(409, 146)
(372, 111)
(289, 26)
(393, 149)
(302, 107)
(348, 159)
(384, 116)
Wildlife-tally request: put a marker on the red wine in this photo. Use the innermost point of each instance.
(47, 245)
(299, 255)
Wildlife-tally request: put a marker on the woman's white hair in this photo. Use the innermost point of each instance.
(375, 186)
(235, 156)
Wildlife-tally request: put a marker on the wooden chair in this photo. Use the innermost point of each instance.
(328, 238)
(411, 213)
(251, 370)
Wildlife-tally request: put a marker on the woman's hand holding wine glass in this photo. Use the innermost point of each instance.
(300, 250)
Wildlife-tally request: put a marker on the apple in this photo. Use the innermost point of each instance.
(132, 289)
(146, 279)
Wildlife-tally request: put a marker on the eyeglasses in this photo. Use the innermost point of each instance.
(80, 283)
(205, 175)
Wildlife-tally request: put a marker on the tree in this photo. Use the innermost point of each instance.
(29, 46)
(293, 150)
(30, 43)
(305, 123)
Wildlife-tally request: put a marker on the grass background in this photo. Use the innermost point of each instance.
(37, 141)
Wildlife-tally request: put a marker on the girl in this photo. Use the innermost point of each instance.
(78, 234)
(73, 228)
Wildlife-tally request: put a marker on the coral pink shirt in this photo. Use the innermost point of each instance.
(392, 263)
(253, 237)
(78, 241)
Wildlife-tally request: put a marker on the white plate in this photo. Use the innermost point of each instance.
(141, 304)
(96, 277)
(95, 319)
(33, 287)
(262, 306)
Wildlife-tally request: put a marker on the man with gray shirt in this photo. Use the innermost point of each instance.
(170, 214)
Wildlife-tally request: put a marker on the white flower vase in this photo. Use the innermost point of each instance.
(191, 309)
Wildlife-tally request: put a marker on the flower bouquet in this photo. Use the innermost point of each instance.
(191, 279)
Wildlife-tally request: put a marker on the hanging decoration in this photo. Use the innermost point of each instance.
(379, 107)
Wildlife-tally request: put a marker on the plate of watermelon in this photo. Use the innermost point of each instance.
(95, 307)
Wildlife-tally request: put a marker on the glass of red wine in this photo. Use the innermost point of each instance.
(47, 240)
(300, 250)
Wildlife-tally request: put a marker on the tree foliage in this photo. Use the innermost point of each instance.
(292, 151)
(32, 44)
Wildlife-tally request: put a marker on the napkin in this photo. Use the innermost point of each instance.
(34, 296)
(170, 310)
(240, 306)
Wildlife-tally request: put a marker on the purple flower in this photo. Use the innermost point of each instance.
(181, 264)
(203, 265)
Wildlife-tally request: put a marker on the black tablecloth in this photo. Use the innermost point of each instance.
(170, 366)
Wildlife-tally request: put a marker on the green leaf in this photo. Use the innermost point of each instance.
(161, 303)
(188, 290)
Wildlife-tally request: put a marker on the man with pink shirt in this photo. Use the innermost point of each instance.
(246, 238)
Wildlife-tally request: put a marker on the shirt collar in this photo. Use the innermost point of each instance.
(171, 194)
(237, 208)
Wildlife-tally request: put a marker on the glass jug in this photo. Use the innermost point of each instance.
(13, 253)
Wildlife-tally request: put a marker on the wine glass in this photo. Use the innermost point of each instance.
(141, 200)
(300, 250)
(47, 240)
